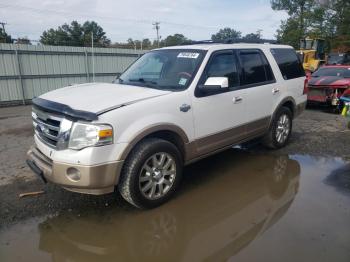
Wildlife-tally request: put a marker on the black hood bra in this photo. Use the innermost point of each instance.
(58, 108)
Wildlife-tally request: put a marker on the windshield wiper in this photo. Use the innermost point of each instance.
(142, 80)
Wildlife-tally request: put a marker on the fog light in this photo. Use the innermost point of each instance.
(73, 174)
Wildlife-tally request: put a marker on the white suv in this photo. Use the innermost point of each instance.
(173, 106)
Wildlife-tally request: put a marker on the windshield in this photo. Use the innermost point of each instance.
(335, 59)
(333, 71)
(168, 69)
(308, 44)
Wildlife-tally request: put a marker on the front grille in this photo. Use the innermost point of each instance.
(46, 126)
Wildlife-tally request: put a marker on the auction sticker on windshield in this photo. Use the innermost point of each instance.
(188, 55)
(182, 81)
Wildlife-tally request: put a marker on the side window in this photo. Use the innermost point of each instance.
(256, 68)
(268, 70)
(288, 63)
(224, 65)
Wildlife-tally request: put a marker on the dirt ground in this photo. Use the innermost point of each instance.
(316, 132)
(244, 204)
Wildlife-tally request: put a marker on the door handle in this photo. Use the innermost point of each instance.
(237, 99)
(275, 90)
(184, 108)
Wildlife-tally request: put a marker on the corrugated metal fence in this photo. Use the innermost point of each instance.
(28, 71)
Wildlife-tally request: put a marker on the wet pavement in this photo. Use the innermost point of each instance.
(236, 206)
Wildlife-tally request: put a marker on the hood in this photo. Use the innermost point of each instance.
(101, 97)
(329, 81)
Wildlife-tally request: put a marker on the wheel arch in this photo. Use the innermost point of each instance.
(168, 132)
(288, 102)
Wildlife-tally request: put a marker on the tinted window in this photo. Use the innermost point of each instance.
(268, 70)
(335, 59)
(347, 73)
(255, 68)
(224, 64)
(288, 63)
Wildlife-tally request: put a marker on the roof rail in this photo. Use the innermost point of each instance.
(234, 41)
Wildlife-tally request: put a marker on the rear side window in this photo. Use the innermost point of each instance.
(288, 63)
(256, 69)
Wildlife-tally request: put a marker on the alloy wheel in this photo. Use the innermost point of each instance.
(157, 175)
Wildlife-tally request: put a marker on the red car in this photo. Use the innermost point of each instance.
(328, 83)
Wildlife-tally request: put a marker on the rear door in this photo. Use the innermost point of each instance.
(293, 75)
(262, 91)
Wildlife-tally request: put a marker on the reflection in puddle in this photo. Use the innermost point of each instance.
(340, 179)
(226, 202)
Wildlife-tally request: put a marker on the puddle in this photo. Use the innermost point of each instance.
(235, 206)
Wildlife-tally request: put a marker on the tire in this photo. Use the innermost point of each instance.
(271, 139)
(151, 173)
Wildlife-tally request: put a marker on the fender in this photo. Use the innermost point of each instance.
(152, 129)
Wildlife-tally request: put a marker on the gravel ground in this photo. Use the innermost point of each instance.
(315, 132)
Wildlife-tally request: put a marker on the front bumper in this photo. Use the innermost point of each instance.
(94, 179)
(325, 95)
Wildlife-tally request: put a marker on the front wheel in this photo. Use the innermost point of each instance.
(151, 174)
(280, 129)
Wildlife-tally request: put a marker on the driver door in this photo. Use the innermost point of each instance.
(219, 118)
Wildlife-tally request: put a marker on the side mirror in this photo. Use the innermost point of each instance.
(214, 85)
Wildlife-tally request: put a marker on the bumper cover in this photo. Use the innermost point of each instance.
(96, 179)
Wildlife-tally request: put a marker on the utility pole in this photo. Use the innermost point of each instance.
(3, 26)
(157, 27)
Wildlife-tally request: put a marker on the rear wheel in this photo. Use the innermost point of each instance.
(151, 173)
(280, 130)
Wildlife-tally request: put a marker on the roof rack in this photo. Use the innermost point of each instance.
(233, 41)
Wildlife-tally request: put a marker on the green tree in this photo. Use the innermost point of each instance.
(252, 37)
(75, 34)
(295, 27)
(4, 37)
(23, 40)
(176, 39)
(287, 33)
(340, 24)
(146, 43)
(56, 37)
(326, 19)
(100, 38)
(226, 34)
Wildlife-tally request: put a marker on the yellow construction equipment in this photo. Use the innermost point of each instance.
(312, 53)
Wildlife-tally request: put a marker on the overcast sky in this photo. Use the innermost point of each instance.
(196, 19)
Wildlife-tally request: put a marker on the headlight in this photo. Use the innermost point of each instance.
(85, 135)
